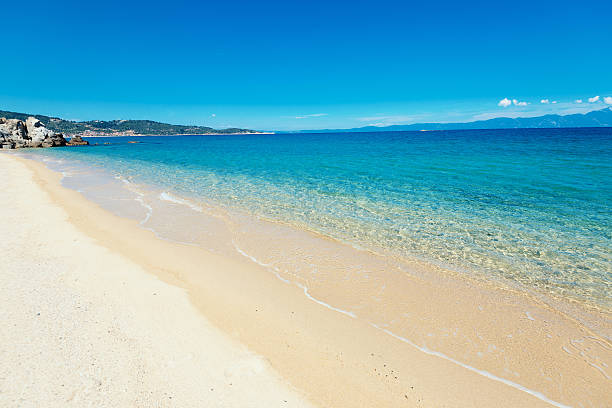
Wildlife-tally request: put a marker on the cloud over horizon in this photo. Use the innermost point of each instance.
(594, 99)
(505, 102)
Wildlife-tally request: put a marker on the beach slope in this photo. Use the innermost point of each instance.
(84, 326)
(97, 310)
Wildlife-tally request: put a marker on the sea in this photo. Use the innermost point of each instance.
(474, 246)
(529, 207)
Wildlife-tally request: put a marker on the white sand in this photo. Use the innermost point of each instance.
(82, 326)
(115, 328)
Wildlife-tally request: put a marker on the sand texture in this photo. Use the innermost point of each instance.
(83, 326)
(99, 311)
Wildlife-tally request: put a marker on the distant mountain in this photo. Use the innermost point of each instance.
(598, 118)
(118, 127)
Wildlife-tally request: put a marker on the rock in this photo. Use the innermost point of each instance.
(14, 132)
(13, 129)
(32, 133)
(41, 136)
(77, 141)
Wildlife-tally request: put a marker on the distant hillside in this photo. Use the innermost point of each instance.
(598, 118)
(118, 127)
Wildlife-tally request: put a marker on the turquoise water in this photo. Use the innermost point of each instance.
(533, 206)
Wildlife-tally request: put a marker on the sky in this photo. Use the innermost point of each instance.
(288, 65)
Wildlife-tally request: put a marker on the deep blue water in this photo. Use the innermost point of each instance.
(533, 205)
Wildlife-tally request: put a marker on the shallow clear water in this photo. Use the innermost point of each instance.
(533, 206)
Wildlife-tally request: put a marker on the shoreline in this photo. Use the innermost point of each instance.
(326, 361)
(70, 135)
(88, 327)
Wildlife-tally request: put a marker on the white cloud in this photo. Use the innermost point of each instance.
(608, 100)
(544, 101)
(519, 103)
(312, 115)
(594, 99)
(214, 115)
(505, 102)
(578, 101)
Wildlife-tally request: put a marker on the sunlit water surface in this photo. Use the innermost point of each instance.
(529, 206)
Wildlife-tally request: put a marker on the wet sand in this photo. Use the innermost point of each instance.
(529, 354)
(85, 326)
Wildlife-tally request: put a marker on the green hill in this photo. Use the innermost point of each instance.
(118, 127)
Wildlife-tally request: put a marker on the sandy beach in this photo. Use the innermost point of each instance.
(325, 204)
(85, 326)
(101, 312)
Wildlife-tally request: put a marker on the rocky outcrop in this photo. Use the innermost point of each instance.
(40, 136)
(15, 133)
(77, 141)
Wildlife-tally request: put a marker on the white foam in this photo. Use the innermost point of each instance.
(327, 305)
(172, 199)
(275, 271)
(304, 288)
(258, 262)
(147, 207)
(252, 258)
(484, 373)
(425, 350)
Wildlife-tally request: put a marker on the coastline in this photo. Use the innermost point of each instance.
(99, 135)
(84, 326)
(314, 348)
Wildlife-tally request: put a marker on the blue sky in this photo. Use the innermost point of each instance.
(305, 65)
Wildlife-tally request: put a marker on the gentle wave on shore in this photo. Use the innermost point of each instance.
(329, 235)
(531, 206)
